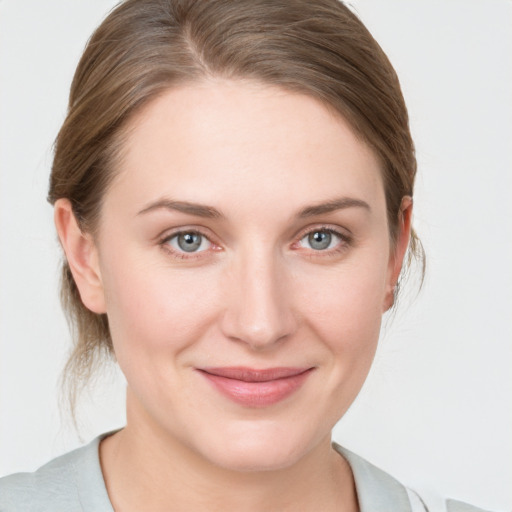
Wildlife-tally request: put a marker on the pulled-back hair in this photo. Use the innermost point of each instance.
(144, 47)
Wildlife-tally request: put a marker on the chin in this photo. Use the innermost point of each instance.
(253, 448)
(253, 459)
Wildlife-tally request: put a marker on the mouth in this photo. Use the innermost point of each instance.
(256, 387)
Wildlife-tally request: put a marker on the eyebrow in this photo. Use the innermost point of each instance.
(199, 210)
(332, 206)
(209, 212)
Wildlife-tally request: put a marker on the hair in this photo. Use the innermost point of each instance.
(145, 47)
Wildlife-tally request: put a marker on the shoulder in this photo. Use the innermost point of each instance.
(53, 486)
(61, 485)
(377, 491)
(459, 506)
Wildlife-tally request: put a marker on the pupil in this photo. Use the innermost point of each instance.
(320, 240)
(189, 242)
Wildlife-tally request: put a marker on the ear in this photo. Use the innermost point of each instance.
(399, 250)
(82, 257)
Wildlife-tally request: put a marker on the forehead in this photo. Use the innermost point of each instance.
(204, 141)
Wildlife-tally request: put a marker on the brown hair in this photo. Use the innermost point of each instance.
(144, 47)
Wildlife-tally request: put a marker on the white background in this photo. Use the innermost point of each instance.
(437, 409)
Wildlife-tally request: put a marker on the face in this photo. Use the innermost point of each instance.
(245, 261)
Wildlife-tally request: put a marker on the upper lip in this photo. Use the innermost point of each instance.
(255, 375)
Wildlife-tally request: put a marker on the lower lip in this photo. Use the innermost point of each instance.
(257, 394)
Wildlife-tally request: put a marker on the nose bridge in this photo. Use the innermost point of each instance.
(259, 311)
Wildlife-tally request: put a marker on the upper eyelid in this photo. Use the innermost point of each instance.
(168, 234)
(341, 232)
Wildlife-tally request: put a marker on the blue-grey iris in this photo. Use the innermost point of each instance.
(319, 240)
(189, 242)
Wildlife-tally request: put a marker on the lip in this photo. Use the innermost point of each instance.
(256, 387)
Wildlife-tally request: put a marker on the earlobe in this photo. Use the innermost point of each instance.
(82, 256)
(399, 250)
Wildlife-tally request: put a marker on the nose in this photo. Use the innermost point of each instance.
(259, 302)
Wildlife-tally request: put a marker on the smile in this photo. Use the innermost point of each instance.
(256, 388)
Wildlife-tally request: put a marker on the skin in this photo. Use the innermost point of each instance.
(256, 294)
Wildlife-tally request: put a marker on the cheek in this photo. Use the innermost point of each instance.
(346, 302)
(153, 309)
(344, 310)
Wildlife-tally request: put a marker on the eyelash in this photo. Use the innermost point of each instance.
(345, 241)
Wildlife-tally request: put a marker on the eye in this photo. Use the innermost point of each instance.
(189, 241)
(321, 240)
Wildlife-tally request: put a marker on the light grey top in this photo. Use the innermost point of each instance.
(74, 483)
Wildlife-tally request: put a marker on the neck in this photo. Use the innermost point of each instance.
(147, 469)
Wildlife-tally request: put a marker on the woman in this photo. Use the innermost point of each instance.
(233, 192)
